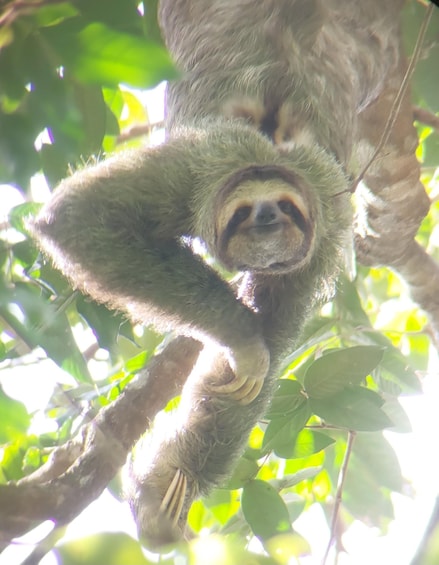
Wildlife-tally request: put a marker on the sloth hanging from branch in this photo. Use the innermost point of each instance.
(266, 127)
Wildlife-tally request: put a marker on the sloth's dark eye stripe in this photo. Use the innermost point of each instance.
(289, 209)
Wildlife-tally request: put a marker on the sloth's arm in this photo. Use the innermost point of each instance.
(115, 231)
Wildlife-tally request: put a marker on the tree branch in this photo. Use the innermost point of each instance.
(398, 100)
(394, 201)
(426, 117)
(135, 131)
(79, 471)
(421, 273)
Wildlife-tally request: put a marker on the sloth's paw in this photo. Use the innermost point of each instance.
(244, 390)
(160, 501)
(173, 501)
(249, 364)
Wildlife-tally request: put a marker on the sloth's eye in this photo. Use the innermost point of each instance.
(239, 216)
(289, 209)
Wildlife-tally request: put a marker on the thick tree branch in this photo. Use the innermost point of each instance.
(400, 94)
(393, 201)
(79, 471)
(421, 273)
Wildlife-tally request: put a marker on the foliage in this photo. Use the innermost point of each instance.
(66, 68)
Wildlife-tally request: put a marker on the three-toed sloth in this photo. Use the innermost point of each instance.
(260, 127)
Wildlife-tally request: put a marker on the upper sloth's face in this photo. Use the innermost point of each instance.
(265, 226)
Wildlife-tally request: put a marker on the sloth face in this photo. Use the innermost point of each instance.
(265, 227)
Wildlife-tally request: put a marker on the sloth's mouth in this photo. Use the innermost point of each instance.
(266, 228)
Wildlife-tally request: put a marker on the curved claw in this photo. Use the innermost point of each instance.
(173, 501)
(244, 390)
(249, 391)
(231, 386)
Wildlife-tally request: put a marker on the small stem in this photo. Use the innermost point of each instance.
(139, 130)
(339, 493)
(21, 8)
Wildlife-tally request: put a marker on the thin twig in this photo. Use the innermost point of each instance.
(396, 106)
(21, 8)
(139, 130)
(339, 493)
(426, 117)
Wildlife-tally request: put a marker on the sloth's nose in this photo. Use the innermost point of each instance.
(266, 213)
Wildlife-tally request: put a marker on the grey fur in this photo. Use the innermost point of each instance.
(298, 70)
(319, 61)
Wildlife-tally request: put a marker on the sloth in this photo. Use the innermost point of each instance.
(119, 231)
(261, 127)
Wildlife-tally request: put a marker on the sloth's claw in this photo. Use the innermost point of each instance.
(173, 501)
(243, 390)
(232, 386)
(249, 391)
(249, 364)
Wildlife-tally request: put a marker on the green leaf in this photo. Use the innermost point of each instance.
(18, 157)
(431, 151)
(397, 415)
(288, 396)
(288, 481)
(25, 252)
(285, 547)
(52, 14)
(11, 460)
(90, 102)
(363, 497)
(32, 459)
(377, 455)
(98, 55)
(374, 471)
(424, 81)
(54, 163)
(220, 504)
(19, 214)
(115, 103)
(14, 419)
(116, 14)
(136, 363)
(306, 443)
(104, 322)
(281, 432)
(316, 332)
(41, 323)
(245, 470)
(354, 408)
(340, 367)
(152, 28)
(349, 301)
(395, 363)
(264, 510)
